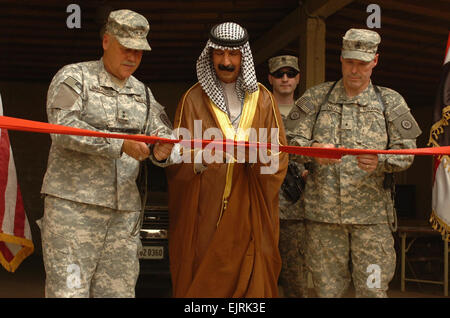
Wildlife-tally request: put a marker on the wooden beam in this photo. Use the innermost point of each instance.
(312, 41)
(288, 29)
(325, 8)
(277, 37)
(312, 52)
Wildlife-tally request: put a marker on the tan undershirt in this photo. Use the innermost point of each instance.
(285, 108)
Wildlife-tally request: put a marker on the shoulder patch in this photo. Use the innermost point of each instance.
(407, 126)
(165, 120)
(293, 118)
(294, 115)
(305, 104)
(74, 84)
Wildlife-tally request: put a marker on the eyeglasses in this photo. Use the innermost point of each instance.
(280, 74)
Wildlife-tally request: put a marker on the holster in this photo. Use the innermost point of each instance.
(389, 184)
(293, 184)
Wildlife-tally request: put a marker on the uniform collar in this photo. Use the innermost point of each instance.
(338, 95)
(105, 80)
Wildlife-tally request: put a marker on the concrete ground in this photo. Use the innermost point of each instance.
(28, 282)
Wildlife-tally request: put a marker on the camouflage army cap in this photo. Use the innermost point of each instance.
(360, 44)
(129, 28)
(277, 62)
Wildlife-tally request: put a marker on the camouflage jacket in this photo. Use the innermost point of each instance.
(343, 193)
(89, 169)
(289, 210)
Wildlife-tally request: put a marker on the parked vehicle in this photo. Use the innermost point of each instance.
(154, 277)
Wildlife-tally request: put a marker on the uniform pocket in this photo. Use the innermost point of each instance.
(56, 238)
(326, 129)
(57, 243)
(372, 129)
(389, 259)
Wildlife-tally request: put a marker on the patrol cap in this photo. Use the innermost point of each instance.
(360, 44)
(277, 62)
(129, 28)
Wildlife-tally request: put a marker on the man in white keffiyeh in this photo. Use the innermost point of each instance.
(224, 217)
(225, 68)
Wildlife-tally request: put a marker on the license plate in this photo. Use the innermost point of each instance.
(151, 252)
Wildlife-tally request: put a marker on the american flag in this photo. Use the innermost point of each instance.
(440, 136)
(15, 235)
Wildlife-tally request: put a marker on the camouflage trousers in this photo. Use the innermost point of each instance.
(293, 275)
(331, 246)
(88, 250)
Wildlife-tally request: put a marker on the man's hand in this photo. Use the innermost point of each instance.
(162, 150)
(136, 149)
(305, 174)
(367, 162)
(325, 161)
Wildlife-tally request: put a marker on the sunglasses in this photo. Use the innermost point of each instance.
(280, 74)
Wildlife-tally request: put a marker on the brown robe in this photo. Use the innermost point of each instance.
(239, 257)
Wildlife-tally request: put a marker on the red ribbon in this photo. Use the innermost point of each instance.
(11, 123)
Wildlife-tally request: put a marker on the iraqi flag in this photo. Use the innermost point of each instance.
(440, 136)
(15, 235)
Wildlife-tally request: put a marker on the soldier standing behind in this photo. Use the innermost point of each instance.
(349, 210)
(284, 77)
(92, 201)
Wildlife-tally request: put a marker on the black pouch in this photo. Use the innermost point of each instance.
(293, 184)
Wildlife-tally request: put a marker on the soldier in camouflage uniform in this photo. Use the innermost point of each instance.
(284, 77)
(349, 212)
(92, 202)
